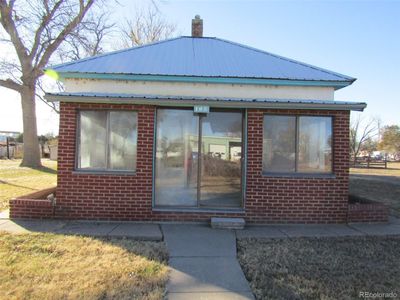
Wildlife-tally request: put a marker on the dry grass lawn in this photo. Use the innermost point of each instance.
(381, 185)
(329, 268)
(49, 266)
(17, 181)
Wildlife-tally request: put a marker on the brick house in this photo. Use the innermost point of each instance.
(196, 127)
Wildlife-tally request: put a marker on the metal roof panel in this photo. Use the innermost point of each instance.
(202, 57)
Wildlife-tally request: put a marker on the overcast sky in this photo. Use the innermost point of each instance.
(357, 38)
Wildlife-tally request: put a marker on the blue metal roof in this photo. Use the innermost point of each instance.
(200, 57)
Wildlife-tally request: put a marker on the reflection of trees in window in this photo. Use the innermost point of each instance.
(279, 143)
(122, 140)
(285, 145)
(172, 151)
(314, 138)
(107, 140)
(178, 158)
(314, 149)
(215, 166)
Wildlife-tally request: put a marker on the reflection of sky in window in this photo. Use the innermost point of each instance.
(222, 124)
(172, 123)
(218, 124)
(208, 131)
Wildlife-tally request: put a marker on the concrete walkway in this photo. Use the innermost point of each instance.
(203, 264)
(326, 230)
(137, 231)
(216, 239)
(202, 260)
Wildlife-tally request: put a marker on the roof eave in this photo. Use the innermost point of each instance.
(355, 106)
(337, 84)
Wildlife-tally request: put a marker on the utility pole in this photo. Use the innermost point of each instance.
(8, 147)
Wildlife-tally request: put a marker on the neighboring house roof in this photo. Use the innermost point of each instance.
(215, 101)
(194, 59)
(6, 132)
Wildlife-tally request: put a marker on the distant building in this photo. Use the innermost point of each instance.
(4, 134)
(13, 149)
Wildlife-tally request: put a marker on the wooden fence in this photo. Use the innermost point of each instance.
(369, 162)
(11, 151)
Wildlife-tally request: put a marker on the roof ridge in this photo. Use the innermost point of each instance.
(287, 59)
(112, 53)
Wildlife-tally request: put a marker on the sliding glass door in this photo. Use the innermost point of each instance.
(221, 158)
(198, 159)
(176, 158)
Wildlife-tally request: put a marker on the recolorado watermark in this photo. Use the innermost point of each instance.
(377, 295)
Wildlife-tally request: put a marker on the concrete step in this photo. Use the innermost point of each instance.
(227, 223)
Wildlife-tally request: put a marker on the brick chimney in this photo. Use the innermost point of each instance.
(197, 27)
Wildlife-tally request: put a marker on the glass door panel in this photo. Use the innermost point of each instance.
(176, 158)
(221, 159)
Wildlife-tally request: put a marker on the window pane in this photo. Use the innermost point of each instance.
(92, 139)
(279, 143)
(176, 158)
(122, 140)
(221, 159)
(315, 144)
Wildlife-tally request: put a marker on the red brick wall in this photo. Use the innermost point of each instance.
(34, 205)
(268, 199)
(368, 212)
(104, 196)
(297, 200)
(31, 209)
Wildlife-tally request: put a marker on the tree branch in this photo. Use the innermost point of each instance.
(40, 91)
(45, 21)
(10, 27)
(10, 84)
(52, 105)
(83, 9)
(145, 27)
(359, 137)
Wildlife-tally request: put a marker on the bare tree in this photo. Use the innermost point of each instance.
(88, 39)
(35, 29)
(147, 26)
(360, 132)
(42, 86)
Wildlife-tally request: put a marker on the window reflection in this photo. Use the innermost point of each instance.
(176, 158)
(107, 140)
(178, 161)
(315, 144)
(279, 143)
(93, 142)
(123, 137)
(221, 159)
(313, 136)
